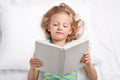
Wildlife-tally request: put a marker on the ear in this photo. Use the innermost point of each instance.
(70, 32)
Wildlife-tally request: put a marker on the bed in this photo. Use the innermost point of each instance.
(104, 38)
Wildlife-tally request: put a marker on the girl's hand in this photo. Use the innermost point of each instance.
(34, 62)
(86, 58)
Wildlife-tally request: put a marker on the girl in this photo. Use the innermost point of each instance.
(61, 27)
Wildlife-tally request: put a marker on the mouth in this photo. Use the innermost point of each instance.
(59, 32)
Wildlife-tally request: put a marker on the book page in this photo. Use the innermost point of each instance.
(50, 56)
(73, 56)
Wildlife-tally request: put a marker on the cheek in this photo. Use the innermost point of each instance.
(67, 32)
(52, 30)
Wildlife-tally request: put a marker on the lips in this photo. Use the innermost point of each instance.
(59, 32)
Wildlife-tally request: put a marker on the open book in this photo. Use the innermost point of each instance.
(60, 60)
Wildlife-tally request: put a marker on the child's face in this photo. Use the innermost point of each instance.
(60, 26)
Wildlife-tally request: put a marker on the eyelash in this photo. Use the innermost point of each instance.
(65, 26)
(57, 25)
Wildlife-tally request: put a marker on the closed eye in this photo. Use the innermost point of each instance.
(65, 26)
(55, 24)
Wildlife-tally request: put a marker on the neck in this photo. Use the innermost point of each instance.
(60, 43)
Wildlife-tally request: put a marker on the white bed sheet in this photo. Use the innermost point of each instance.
(13, 74)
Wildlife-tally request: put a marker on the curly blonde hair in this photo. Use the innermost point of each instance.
(75, 24)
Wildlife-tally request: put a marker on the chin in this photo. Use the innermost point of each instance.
(60, 38)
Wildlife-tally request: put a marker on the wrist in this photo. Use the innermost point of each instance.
(88, 65)
(32, 68)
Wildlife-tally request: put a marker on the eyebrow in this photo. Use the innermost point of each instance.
(63, 23)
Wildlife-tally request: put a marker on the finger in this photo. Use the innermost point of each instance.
(87, 62)
(87, 56)
(84, 57)
(82, 60)
(37, 65)
(35, 60)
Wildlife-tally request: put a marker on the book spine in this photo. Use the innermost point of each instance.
(62, 61)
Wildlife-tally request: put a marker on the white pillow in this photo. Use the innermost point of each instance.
(20, 29)
(4, 2)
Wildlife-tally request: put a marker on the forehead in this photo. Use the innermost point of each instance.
(61, 17)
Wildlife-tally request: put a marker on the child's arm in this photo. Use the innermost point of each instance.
(33, 73)
(90, 71)
(89, 68)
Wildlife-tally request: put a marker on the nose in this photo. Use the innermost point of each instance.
(60, 27)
